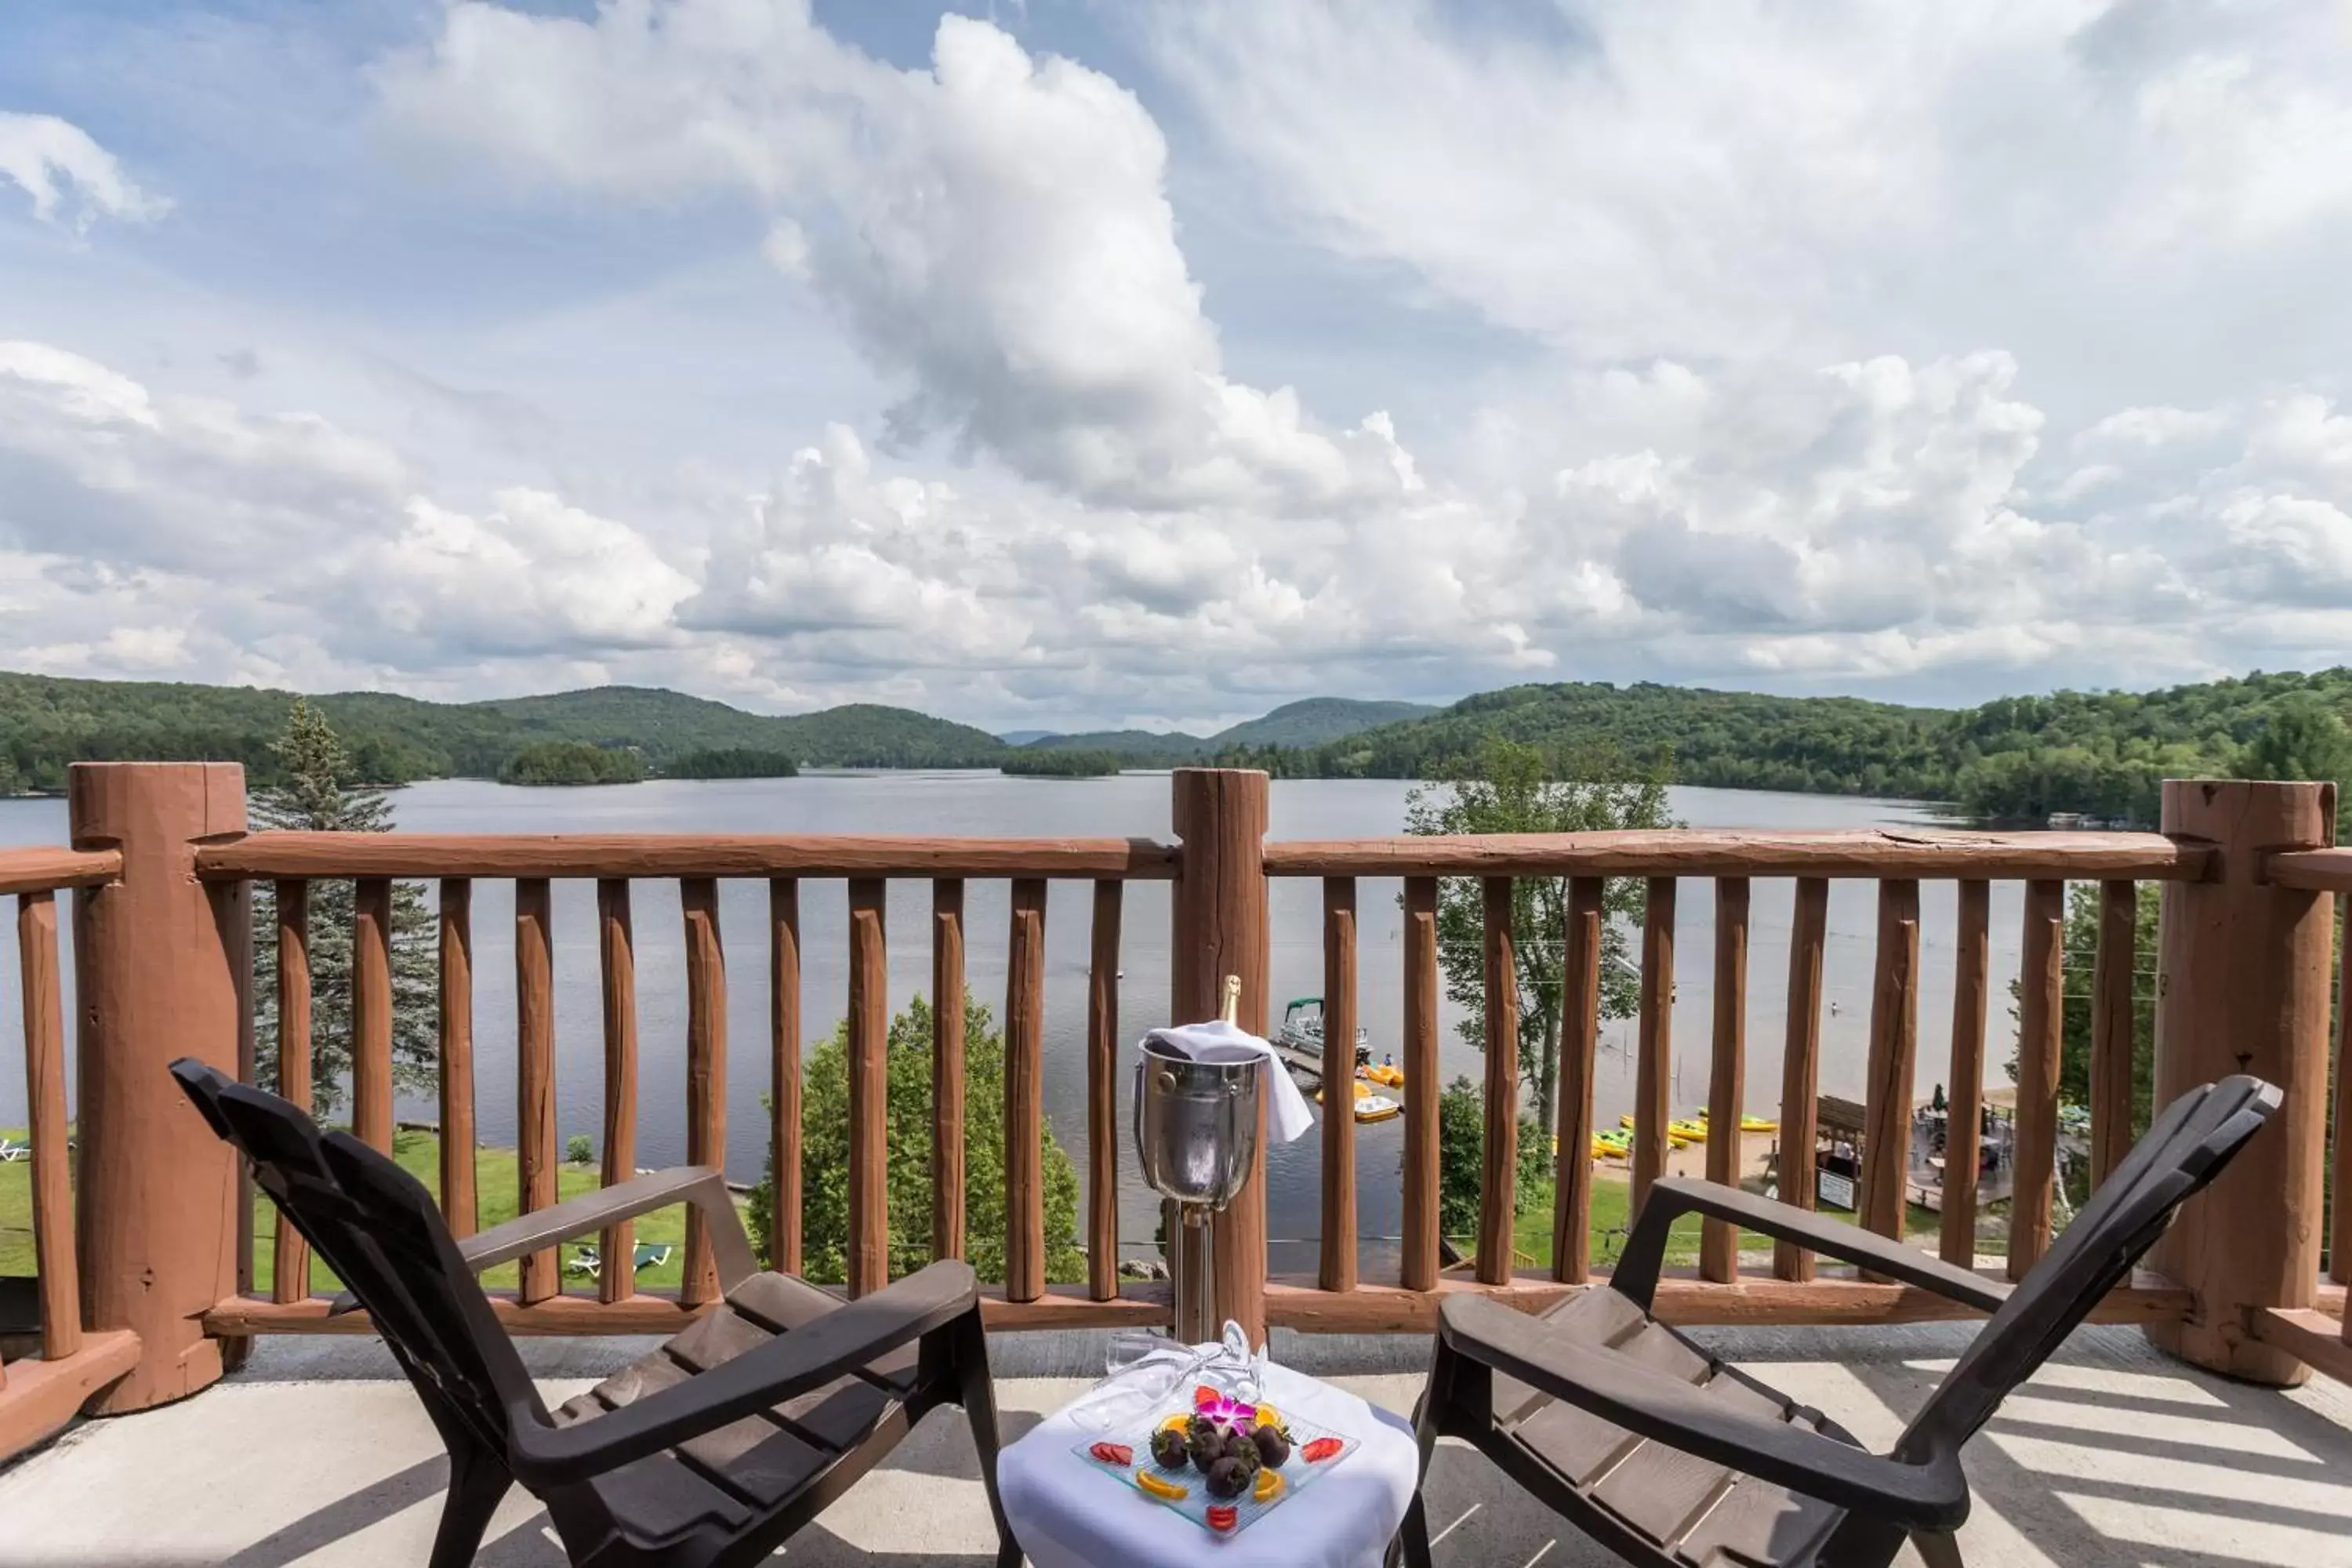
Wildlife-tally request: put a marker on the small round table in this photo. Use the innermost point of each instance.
(1067, 1514)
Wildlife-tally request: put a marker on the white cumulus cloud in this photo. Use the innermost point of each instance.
(996, 229)
(57, 164)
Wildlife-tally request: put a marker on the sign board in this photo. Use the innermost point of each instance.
(1832, 1190)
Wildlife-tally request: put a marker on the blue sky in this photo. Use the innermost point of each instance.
(1067, 363)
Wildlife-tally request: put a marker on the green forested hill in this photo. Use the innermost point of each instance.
(1315, 720)
(46, 723)
(2018, 758)
(1308, 722)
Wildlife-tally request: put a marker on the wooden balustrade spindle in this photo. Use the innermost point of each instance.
(459, 1203)
(785, 1071)
(1654, 1071)
(2111, 1027)
(535, 1152)
(869, 1085)
(1719, 1258)
(1964, 1117)
(59, 1285)
(2339, 1242)
(1024, 1096)
(1419, 1270)
(1102, 1096)
(947, 1069)
(616, 1274)
(2041, 1014)
(706, 1070)
(372, 1011)
(1801, 1058)
(289, 1276)
(1893, 1060)
(1579, 1047)
(1338, 1271)
(1498, 1187)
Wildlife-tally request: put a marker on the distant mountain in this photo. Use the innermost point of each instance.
(46, 723)
(1316, 719)
(1142, 747)
(1311, 722)
(1026, 737)
(663, 724)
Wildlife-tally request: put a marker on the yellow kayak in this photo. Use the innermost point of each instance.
(1678, 1134)
(1749, 1123)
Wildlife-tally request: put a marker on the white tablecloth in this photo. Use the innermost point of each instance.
(1067, 1515)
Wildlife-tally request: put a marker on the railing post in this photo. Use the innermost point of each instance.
(156, 977)
(1219, 928)
(2241, 987)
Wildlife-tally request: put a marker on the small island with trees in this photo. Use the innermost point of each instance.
(731, 762)
(572, 763)
(1028, 763)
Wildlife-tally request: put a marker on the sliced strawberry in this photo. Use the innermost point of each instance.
(1320, 1450)
(1113, 1454)
(1204, 1396)
(1222, 1516)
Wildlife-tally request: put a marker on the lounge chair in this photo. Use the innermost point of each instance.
(1671, 1458)
(706, 1453)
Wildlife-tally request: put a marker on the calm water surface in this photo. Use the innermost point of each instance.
(988, 804)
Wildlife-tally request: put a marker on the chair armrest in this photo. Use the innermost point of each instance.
(805, 1358)
(1932, 1495)
(701, 1185)
(1636, 1275)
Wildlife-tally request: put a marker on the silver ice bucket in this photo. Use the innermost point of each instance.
(1195, 1124)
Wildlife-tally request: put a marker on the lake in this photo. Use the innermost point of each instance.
(990, 804)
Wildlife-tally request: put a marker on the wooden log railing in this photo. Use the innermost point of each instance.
(698, 864)
(1733, 860)
(2236, 907)
(1662, 861)
(64, 1359)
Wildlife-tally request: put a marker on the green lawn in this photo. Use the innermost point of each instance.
(419, 1154)
(1611, 1204)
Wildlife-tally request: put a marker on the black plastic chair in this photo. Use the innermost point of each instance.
(710, 1451)
(1671, 1458)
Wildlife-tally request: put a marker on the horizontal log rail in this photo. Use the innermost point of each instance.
(2313, 870)
(680, 855)
(1292, 1302)
(43, 868)
(1741, 852)
(2309, 1335)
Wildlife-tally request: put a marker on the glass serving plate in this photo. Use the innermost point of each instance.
(1297, 1474)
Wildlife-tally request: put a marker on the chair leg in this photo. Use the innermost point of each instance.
(1938, 1549)
(968, 1348)
(477, 1484)
(1411, 1543)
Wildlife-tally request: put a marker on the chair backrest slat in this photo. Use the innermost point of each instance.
(377, 1228)
(2186, 1148)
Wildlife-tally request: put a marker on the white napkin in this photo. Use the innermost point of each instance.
(1286, 1115)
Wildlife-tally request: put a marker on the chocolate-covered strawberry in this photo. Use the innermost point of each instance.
(1229, 1477)
(1204, 1441)
(1167, 1450)
(1273, 1447)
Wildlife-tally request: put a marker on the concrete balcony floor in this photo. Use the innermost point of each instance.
(316, 1454)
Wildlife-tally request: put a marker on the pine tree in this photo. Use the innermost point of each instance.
(1514, 788)
(319, 792)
